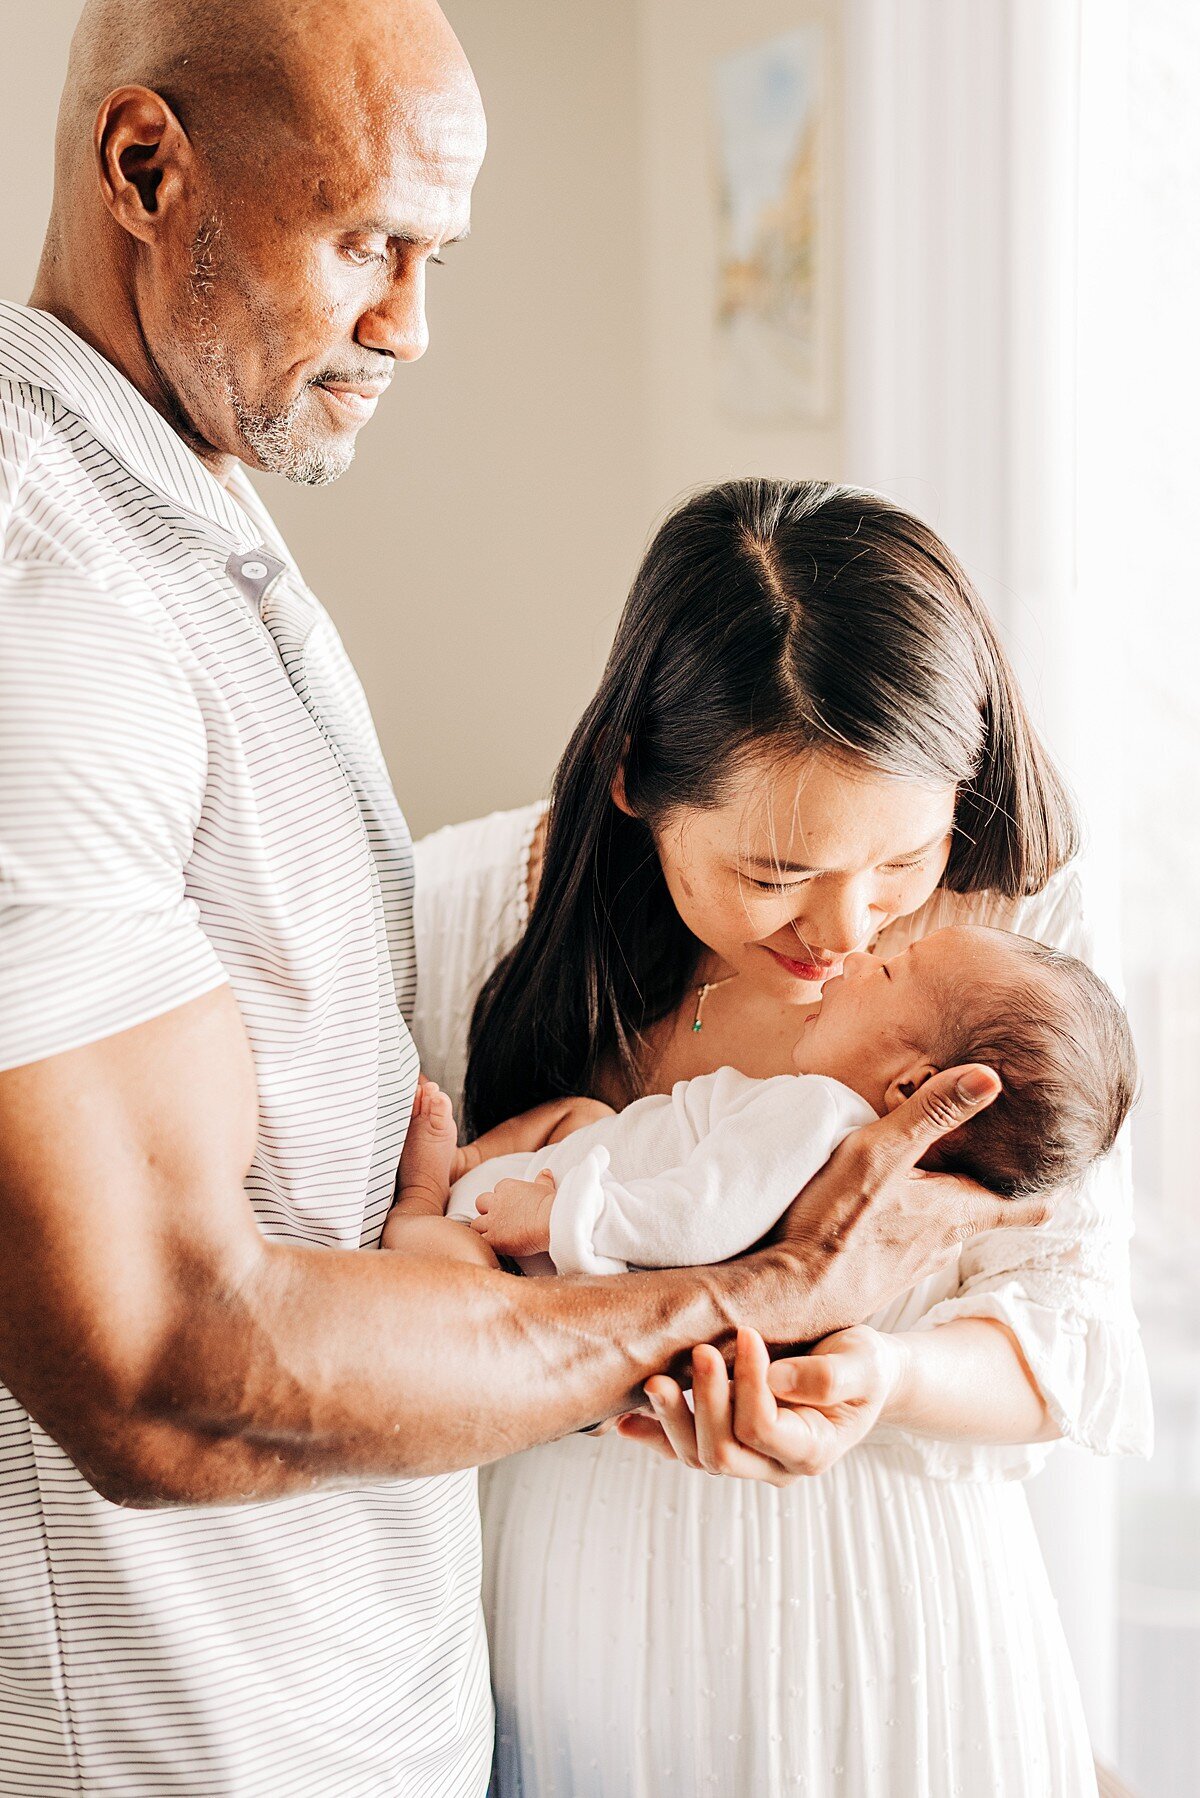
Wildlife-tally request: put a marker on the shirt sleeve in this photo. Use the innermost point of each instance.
(1063, 1289)
(764, 1141)
(102, 776)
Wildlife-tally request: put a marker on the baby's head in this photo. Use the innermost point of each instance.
(1049, 1027)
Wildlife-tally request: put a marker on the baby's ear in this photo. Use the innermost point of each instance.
(905, 1084)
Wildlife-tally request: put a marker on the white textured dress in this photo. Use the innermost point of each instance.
(884, 1631)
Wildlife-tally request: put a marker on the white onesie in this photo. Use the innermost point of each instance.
(681, 1179)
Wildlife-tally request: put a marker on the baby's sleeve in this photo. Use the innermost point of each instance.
(1063, 1289)
(762, 1141)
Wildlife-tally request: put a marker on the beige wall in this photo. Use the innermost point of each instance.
(477, 555)
(688, 438)
(35, 40)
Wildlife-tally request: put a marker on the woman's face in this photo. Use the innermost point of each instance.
(803, 862)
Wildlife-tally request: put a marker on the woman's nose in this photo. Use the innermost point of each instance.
(839, 922)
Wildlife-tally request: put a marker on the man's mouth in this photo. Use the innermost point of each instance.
(357, 398)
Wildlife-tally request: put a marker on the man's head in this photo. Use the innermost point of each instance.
(247, 196)
(1051, 1029)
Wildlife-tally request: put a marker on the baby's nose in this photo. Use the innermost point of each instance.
(856, 964)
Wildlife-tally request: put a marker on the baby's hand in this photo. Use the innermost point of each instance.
(515, 1219)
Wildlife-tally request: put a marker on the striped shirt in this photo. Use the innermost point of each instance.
(191, 792)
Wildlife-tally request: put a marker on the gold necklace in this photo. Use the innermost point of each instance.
(702, 993)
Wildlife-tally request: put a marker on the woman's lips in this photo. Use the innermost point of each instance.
(812, 973)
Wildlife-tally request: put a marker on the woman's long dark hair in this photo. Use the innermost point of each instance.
(767, 617)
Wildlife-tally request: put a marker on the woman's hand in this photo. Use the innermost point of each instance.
(779, 1421)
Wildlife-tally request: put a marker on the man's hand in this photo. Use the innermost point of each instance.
(872, 1223)
(866, 1228)
(515, 1218)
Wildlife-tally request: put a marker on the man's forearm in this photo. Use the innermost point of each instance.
(326, 1368)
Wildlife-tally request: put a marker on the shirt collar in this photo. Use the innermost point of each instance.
(38, 348)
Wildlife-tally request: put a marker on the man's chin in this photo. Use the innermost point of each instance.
(319, 470)
(308, 464)
(300, 443)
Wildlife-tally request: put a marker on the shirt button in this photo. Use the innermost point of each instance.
(254, 571)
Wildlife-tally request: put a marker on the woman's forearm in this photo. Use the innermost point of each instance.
(967, 1381)
(532, 1130)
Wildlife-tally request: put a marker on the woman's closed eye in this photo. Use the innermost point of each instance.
(777, 886)
(793, 881)
(905, 867)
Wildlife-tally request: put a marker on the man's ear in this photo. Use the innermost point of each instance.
(144, 159)
(905, 1084)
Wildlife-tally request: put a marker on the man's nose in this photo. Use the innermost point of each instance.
(397, 325)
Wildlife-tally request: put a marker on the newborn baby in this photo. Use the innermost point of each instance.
(703, 1173)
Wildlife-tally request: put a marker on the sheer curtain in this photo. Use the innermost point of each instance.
(1140, 477)
(966, 130)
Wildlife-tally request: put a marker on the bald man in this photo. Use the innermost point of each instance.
(238, 1538)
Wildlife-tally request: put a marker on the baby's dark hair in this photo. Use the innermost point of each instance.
(1061, 1044)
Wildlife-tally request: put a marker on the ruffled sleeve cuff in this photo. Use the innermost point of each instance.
(578, 1203)
(1090, 1370)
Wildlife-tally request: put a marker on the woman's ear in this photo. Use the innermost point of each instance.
(906, 1083)
(617, 790)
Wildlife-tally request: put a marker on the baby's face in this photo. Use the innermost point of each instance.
(877, 1019)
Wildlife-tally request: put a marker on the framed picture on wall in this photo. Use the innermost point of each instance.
(775, 270)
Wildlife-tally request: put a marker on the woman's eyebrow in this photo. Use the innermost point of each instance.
(784, 867)
(933, 842)
(780, 867)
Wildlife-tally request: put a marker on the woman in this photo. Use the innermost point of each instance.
(807, 741)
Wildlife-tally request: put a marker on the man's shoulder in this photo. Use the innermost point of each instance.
(53, 547)
(86, 660)
(31, 405)
(29, 418)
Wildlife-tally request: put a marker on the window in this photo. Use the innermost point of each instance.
(1151, 612)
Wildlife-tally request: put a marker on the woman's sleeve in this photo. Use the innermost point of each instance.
(1064, 1289)
(471, 905)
